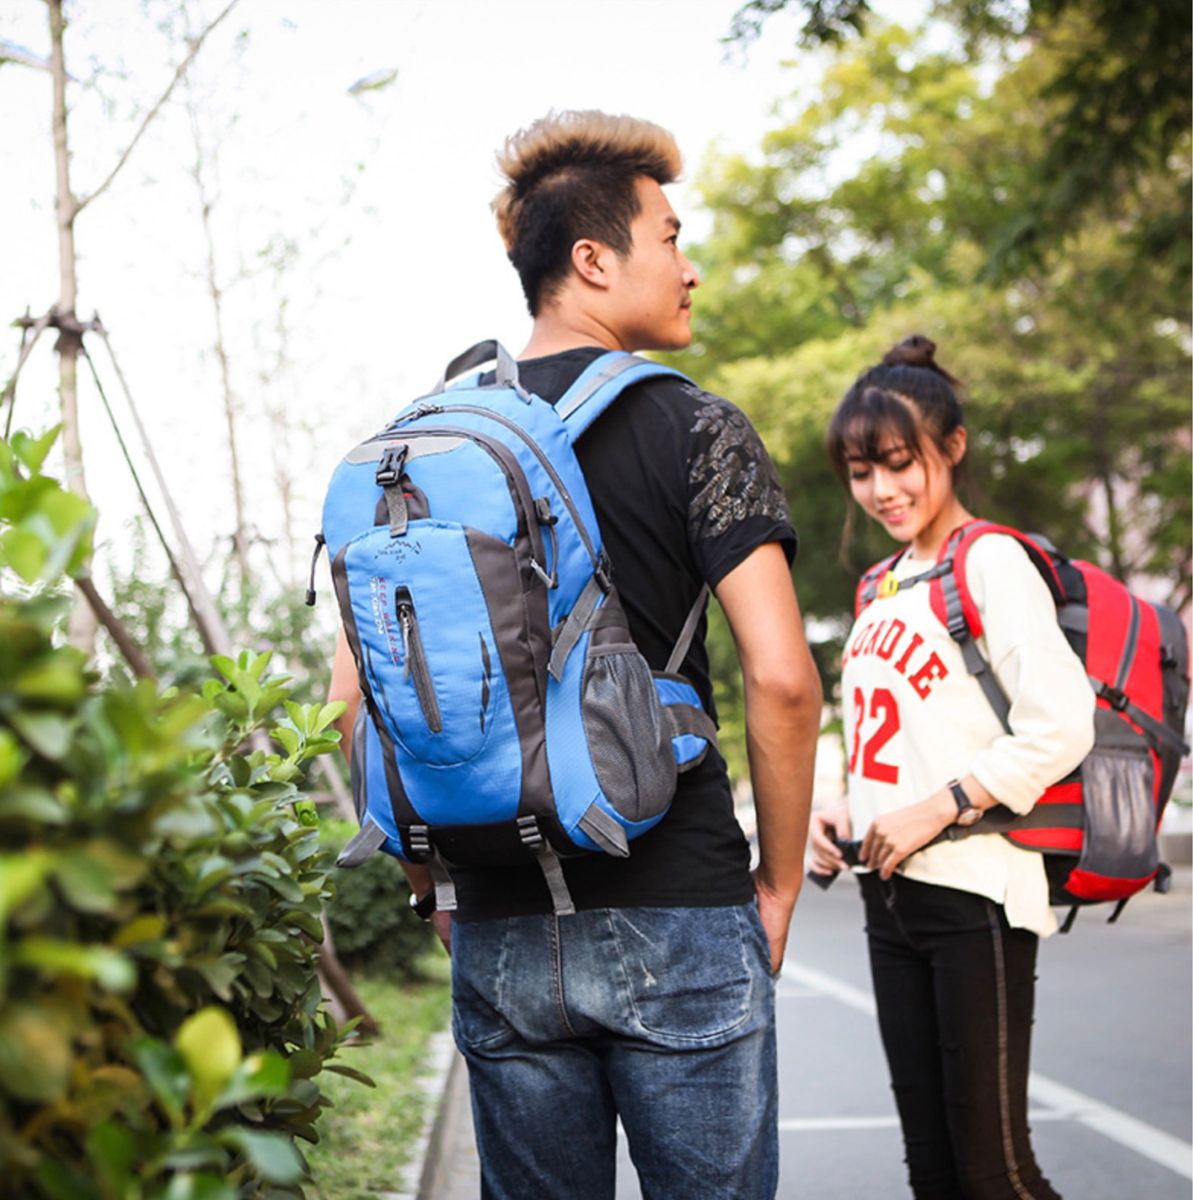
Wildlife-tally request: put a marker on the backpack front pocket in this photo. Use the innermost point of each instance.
(426, 641)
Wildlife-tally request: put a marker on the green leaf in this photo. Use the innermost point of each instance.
(218, 973)
(199, 1187)
(263, 1074)
(101, 963)
(272, 1154)
(110, 1149)
(209, 1043)
(224, 665)
(351, 1073)
(35, 1054)
(329, 713)
(56, 680)
(31, 804)
(24, 552)
(47, 733)
(86, 883)
(32, 451)
(146, 928)
(166, 1073)
(13, 757)
(20, 876)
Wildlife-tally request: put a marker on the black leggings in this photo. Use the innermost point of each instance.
(955, 988)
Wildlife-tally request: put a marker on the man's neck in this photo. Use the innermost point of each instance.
(556, 331)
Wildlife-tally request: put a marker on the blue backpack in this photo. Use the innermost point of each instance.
(506, 710)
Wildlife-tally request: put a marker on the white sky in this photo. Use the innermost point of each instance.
(386, 285)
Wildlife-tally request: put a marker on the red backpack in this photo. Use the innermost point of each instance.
(1097, 827)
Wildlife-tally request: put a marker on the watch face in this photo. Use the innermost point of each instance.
(971, 816)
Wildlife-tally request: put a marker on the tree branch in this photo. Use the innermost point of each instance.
(149, 116)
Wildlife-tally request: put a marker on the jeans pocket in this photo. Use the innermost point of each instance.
(478, 959)
(691, 974)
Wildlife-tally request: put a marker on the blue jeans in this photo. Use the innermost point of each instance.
(663, 1017)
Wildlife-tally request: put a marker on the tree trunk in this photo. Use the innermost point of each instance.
(82, 621)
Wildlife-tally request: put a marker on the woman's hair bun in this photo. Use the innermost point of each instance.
(915, 350)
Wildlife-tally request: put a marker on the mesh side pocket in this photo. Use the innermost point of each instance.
(1120, 817)
(630, 749)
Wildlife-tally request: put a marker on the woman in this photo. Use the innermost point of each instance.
(953, 927)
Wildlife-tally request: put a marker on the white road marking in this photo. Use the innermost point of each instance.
(1067, 1103)
(829, 1124)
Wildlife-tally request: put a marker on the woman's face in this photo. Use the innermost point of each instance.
(911, 496)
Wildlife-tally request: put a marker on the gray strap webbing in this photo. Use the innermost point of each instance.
(572, 628)
(1157, 729)
(980, 670)
(445, 890)
(605, 831)
(1073, 617)
(395, 505)
(598, 381)
(684, 641)
(687, 718)
(561, 898)
(363, 845)
(1001, 819)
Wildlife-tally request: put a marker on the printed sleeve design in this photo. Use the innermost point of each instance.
(730, 473)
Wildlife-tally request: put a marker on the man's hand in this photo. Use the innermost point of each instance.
(775, 912)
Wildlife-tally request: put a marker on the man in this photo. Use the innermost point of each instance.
(654, 1001)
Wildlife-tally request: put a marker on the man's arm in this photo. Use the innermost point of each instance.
(345, 686)
(783, 701)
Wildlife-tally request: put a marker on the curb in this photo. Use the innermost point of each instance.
(443, 1066)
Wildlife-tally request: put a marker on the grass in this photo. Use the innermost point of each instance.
(368, 1136)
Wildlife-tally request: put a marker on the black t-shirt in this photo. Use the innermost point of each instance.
(684, 491)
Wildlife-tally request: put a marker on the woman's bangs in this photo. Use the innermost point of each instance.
(866, 427)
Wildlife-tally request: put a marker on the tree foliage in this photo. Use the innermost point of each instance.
(873, 210)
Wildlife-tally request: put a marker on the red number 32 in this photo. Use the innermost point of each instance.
(884, 707)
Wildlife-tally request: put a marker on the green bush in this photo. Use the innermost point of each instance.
(161, 1025)
(370, 919)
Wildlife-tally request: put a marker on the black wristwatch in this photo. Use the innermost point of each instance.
(966, 813)
(423, 908)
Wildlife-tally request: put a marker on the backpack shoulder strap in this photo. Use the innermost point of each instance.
(867, 586)
(952, 600)
(600, 383)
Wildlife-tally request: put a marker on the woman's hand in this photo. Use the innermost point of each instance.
(826, 824)
(894, 835)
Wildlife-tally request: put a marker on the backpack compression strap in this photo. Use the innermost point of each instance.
(601, 382)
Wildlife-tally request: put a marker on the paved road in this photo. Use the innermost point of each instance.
(1112, 1094)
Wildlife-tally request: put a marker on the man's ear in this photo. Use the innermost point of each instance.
(589, 260)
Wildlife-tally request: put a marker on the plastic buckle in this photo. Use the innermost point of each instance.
(419, 839)
(1115, 698)
(528, 831)
(542, 510)
(389, 470)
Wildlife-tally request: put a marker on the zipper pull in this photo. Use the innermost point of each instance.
(320, 542)
(405, 620)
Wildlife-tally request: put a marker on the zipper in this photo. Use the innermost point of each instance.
(503, 456)
(414, 660)
(543, 459)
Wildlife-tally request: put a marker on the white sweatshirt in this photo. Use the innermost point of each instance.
(915, 719)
